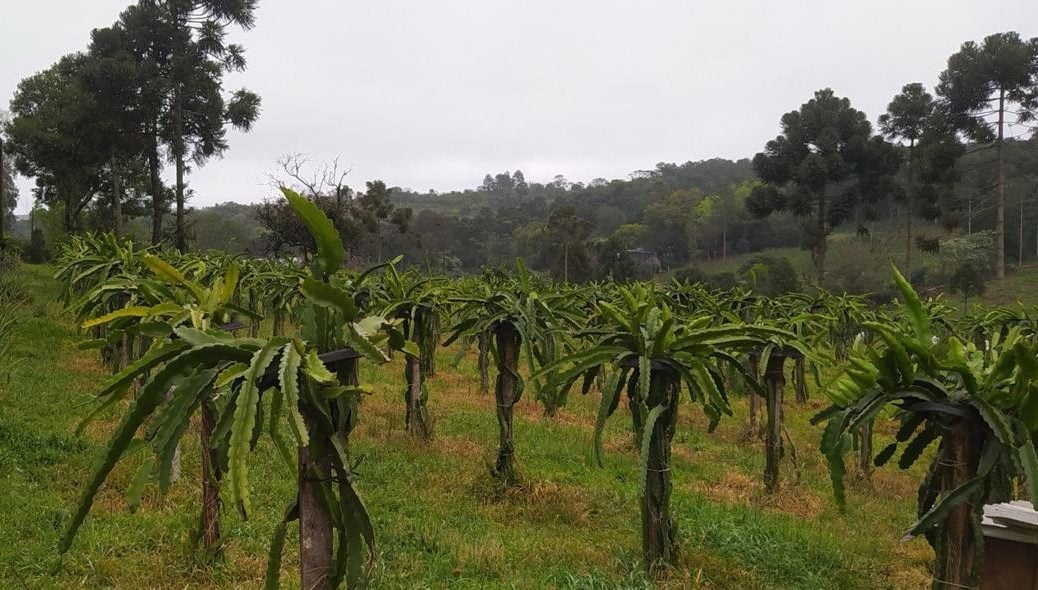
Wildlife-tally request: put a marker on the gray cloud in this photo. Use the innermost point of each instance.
(435, 94)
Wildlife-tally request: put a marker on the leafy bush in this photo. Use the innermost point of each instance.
(13, 289)
(968, 261)
(721, 281)
(691, 275)
(770, 275)
(36, 251)
(13, 293)
(858, 267)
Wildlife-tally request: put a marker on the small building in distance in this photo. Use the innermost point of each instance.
(646, 259)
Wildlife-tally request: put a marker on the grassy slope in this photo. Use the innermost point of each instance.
(439, 521)
(1019, 286)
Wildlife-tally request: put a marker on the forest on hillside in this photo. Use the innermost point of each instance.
(104, 129)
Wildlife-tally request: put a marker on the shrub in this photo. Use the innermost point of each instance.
(690, 275)
(721, 281)
(36, 251)
(967, 262)
(858, 267)
(13, 289)
(770, 275)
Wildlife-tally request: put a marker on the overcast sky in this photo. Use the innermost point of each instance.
(434, 94)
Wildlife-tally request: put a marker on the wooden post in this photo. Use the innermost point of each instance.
(658, 532)
(210, 483)
(484, 362)
(956, 549)
(315, 525)
(753, 367)
(775, 383)
(415, 420)
(800, 379)
(315, 462)
(508, 343)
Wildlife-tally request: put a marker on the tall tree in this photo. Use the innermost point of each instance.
(981, 85)
(8, 193)
(937, 171)
(110, 75)
(198, 113)
(567, 254)
(373, 206)
(521, 188)
(825, 163)
(54, 138)
(907, 117)
(146, 36)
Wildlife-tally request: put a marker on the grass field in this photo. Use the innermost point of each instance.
(439, 521)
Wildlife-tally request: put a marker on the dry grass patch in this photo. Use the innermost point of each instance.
(910, 566)
(486, 554)
(736, 487)
(536, 501)
(458, 447)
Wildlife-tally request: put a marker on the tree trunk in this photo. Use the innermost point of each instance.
(658, 530)
(724, 239)
(956, 549)
(1000, 193)
(909, 206)
(821, 246)
(3, 196)
(178, 156)
(210, 483)
(416, 419)
(157, 205)
(565, 263)
(775, 384)
(484, 362)
(68, 212)
(753, 367)
(800, 379)
(117, 198)
(1020, 239)
(969, 215)
(506, 394)
(315, 524)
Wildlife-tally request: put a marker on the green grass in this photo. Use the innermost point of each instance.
(1019, 286)
(871, 259)
(440, 522)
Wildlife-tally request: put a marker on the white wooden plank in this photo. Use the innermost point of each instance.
(1012, 515)
(993, 529)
